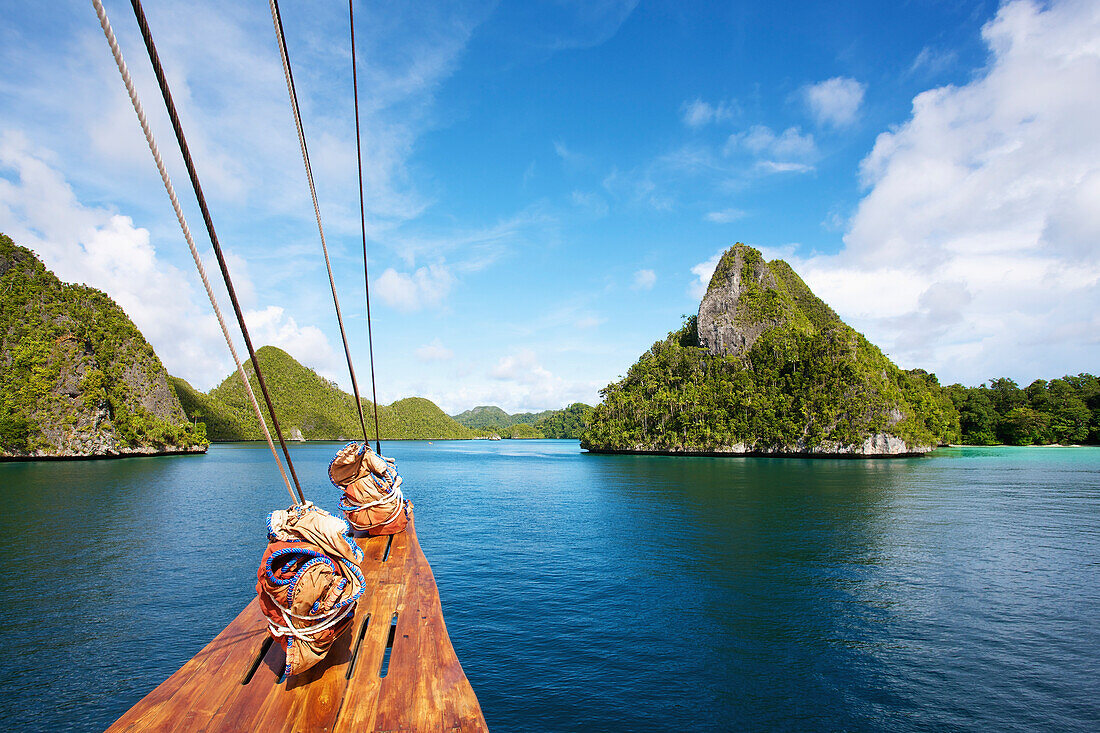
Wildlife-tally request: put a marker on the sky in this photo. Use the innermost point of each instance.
(549, 185)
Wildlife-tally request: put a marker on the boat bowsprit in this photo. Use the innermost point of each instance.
(394, 669)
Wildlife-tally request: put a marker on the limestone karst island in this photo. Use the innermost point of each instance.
(767, 368)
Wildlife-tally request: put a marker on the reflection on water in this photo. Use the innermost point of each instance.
(604, 592)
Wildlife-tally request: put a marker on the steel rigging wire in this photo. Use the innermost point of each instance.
(124, 71)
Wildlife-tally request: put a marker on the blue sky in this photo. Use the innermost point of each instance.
(549, 183)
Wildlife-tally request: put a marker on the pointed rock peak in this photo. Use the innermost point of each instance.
(740, 263)
(743, 300)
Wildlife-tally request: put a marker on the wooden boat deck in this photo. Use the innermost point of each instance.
(234, 683)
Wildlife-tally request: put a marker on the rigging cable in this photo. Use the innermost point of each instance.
(154, 58)
(117, 52)
(277, 20)
(363, 222)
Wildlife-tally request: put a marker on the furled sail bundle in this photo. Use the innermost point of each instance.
(372, 500)
(308, 582)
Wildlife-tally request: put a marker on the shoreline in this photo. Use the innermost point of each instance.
(129, 453)
(751, 454)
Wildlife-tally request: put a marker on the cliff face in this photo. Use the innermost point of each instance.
(766, 367)
(77, 378)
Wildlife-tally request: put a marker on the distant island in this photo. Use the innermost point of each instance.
(311, 407)
(489, 420)
(77, 378)
(767, 368)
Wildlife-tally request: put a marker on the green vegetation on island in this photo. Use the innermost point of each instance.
(1064, 411)
(490, 420)
(309, 407)
(767, 367)
(77, 378)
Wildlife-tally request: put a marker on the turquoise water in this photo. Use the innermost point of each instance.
(959, 591)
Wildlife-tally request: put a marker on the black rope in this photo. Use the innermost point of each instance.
(363, 222)
(309, 174)
(143, 24)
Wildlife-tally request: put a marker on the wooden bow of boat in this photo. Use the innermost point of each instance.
(394, 670)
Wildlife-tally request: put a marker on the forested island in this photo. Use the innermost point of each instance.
(767, 368)
(1064, 411)
(77, 378)
(489, 421)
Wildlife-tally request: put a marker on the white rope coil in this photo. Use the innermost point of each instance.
(117, 52)
(330, 619)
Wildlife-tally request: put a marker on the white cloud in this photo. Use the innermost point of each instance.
(976, 249)
(785, 152)
(725, 216)
(424, 287)
(435, 351)
(519, 381)
(703, 272)
(273, 326)
(698, 113)
(644, 280)
(835, 101)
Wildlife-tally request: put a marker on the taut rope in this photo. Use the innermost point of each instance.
(363, 222)
(277, 20)
(117, 52)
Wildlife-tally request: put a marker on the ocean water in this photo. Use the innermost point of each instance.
(959, 591)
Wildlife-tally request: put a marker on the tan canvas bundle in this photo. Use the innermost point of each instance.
(372, 500)
(308, 582)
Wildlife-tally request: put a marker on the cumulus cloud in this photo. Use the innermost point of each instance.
(976, 249)
(435, 351)
(410, 291)
(698, 113)
(521, 381)
(273, 326)
(703, 272)
(835, 101)
(644, 280)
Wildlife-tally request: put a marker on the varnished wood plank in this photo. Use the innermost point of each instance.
(425, 688)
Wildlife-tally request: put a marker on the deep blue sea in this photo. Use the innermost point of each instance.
(959, 591)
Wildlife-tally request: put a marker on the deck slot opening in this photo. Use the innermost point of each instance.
(389, 647)
(358, 643)
(389, 545)
(251, 671)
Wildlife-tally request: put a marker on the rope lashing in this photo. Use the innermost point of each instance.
(372, 500)
(121, 63)
(308, 582)
(276, 19)
(185, 151)
(363, 226)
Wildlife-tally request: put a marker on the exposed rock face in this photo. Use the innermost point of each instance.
(723, 325)
(77, 378)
